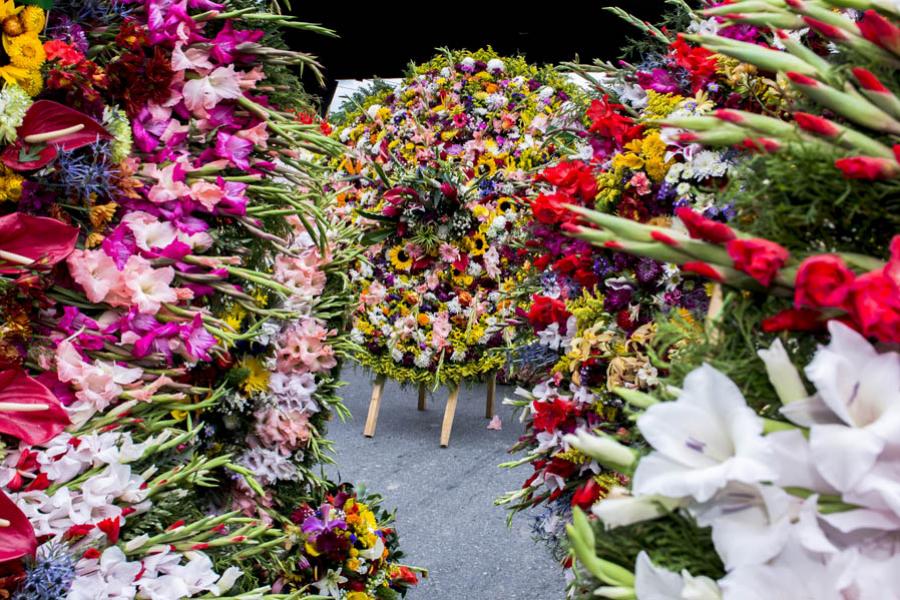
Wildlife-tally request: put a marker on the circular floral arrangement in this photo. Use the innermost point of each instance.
(435, 171)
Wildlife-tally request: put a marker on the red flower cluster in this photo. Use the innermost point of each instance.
(872, 300)
(549, 416)
(545, 311)
(572, 178)
(607, 120)
(699, 62)
(758, 258)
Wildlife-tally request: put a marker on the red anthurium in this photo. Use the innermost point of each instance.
(48, 127)
(28, 410)
(33, 241)
(16, 533)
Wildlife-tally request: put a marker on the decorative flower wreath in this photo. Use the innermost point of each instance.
(434, 172)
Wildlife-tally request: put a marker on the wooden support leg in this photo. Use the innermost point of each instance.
(374, 405)
(449, 413)
(421, 396)
(491, 391)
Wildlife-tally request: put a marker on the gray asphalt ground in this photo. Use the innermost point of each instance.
(444, 496)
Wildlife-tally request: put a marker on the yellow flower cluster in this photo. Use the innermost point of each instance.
(660, 105)
(647, 154)
(10, 185)
(21, 26)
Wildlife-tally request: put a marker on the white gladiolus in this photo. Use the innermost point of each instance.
(783, 374)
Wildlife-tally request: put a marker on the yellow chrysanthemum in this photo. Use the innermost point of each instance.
(101, 214)
(400, 258)
(33, 19)
(10, 185)
(25, 51)
(257, 379)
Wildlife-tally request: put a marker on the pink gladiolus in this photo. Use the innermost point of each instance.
(147, 287)
(303, 347)
(204, 93)
(287, 430)
(234, 148)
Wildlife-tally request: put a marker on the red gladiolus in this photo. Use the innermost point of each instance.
(816, 124)
(801, 79)
(699, 62)
(875, 306)
(550, 415)
(868, 81)
(867, 167)
(703, 269)
(607, 121)
(573, 178)
(585, 496)
(729, 116)
(758, 258)
(91, 553)
(699, 227)
(794, 319)
(549, 209)
(545, 311)
(761, 144)
(17, 539)
(880, 31)
(823, 281)
(829, 31)
(28, 410)
(77, 531)
(40, 239)
(111, 528)
(406, 575)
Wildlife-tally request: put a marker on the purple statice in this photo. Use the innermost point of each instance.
(49, 576)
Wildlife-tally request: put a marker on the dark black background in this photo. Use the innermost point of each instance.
(380, 38)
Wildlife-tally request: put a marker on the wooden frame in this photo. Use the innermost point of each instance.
(449, 410)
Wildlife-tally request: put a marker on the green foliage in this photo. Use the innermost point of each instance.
(799, 199)
(359, 100)
(674, 542)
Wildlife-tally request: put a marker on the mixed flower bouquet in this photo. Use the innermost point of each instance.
(170, 310)
(752, 478)
(594, 314)
(435, 172)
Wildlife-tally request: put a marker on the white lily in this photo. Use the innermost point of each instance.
(705, 439)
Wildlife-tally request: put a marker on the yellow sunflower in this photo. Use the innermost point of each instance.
(400, 258)
(477, 244)
(25, 51)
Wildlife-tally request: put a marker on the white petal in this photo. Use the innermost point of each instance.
(782, 373)
(654, 583)
(843, 455)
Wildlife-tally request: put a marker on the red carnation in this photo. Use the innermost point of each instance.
(700, 227)
(573, 178)
(758, 258)
(823, 281)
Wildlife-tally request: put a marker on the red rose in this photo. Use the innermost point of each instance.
(875, 305)
(548, 416)
(823, 281)
(585, 496)
(758, 258)
(573, 178)
(541, 262)
(699, 227)
(585, 277)
(794, 319)
(545, 311)
(549, 209)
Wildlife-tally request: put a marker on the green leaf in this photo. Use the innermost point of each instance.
(45, 4)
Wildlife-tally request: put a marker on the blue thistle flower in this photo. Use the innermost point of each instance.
(88, 172)
(49, 576)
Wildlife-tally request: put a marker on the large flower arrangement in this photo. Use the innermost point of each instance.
(595, 313)
(435, 171)
(170, 314)
(754, 479)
